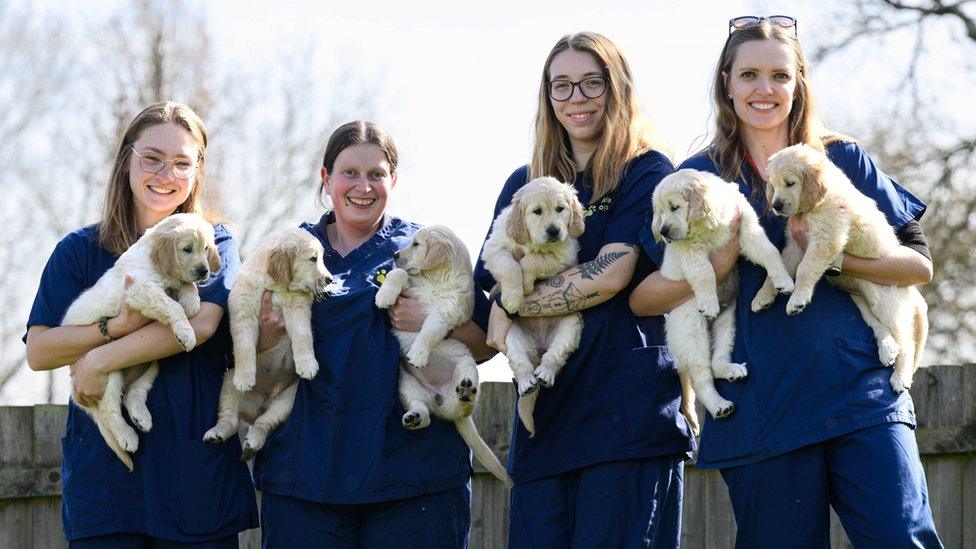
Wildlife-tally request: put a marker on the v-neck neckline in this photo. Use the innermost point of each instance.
(358, 253)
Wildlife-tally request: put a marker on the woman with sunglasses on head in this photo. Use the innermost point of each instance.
(605, 466)
(182, 492)
(817, 423)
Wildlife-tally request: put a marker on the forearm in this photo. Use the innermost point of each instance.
(902, 267)
(583, 286)
(657, 295)
(155, 340)
(473, 336)
(50, 348)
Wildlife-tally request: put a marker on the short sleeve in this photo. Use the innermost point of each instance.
(217, 288)
(515, 182)
(482, 309)
(631, 206)
(897, 203)
(62, 281)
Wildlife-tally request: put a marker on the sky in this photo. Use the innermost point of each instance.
(458, 83)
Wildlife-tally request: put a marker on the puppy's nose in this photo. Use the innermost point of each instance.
(666, 231)
(396, 254)
(201, 272)
(328, 280)
(778, 205)
(552, 231)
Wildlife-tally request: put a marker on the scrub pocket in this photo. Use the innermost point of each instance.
(210, 490)
(646, 374)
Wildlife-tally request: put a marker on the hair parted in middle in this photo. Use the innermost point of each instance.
(727, 150)
(352, 133)
(626, 131)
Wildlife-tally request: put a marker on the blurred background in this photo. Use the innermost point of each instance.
(456, 86)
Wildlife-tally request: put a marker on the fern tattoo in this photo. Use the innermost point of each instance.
(592, 269)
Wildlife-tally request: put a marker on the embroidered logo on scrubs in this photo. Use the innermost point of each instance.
(602, 206)
(338, 286)
(377, 277)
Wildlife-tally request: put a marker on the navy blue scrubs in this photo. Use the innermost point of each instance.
(182, 489)
(343, 458)
(611, 423)
(816, 390)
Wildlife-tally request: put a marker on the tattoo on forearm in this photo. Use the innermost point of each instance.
(555, 281)
(592, 269)
(568, 300)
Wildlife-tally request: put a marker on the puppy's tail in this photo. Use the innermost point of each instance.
(107, 434)
(921, 329)
(526, 405)
(472, 438)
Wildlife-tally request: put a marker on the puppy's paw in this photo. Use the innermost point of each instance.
(215, 435)
(512, 301)
(386, 297)
(141, 417)
(466, 390)
(762, 302)
(416, 419)
(244, 379)
(784, 286)
(708, 306)
(526, 385)
(184, 334)
(418, 355)
(888, 350)
(190, 301)
(723, 410)
(253, 442)
(901, 383)
(545, 376)
(730, 371)
(796, 304)
(306, 368)
(127, 437)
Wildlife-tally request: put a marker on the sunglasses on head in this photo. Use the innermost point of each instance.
(749, 21)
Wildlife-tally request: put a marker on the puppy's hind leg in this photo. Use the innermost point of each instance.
(136, 395)
(110, 411)
(277, 412)
(521, 358)
(227, 412)
(723, 338)
(563, 341)
(414, 397)
(688, 341)
(888, 348)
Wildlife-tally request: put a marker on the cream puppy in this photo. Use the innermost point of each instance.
(804, 182)
(532, 239)
(260, 389)
(168, 259)
(442, 376)
(693, 212)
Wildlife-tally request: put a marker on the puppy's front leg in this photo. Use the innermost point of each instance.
(189, 299)
(815, 261)
(432, 332)
(152, 302)
(758, 249)
(394, 283)
(508, 274)
(298, 323)
(245, 306)
(701, 276)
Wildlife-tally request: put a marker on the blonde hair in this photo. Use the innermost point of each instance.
(119, 228)
(626, 131)
(727, 149)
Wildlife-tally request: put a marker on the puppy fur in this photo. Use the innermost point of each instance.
(168, 259)
(693, 213)
(804, 182)
(442, 376)
(532, 239)
(260, 389)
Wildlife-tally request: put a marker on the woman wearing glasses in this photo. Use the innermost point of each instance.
(605, 465)
(182, 492)
(343, 471)
(817, 424)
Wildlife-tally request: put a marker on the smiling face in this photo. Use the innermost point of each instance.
(581, 116)
(156, 196)
(359, 185)
(762, 83)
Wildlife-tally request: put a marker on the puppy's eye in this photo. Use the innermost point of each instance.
(674, 208)
(415, 244)
(188, 249)
(537, 211)
(790, 183)
(560, 209)
(314, 258)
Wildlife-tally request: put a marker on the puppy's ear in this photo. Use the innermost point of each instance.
(279, 264)
(213, 258)
(656, 226)
(516, 223)
(576, 221)
(812, 174)
(440, 252)
(696, 194)
(165, 246)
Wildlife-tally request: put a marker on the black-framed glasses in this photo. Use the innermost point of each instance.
(153, 163)
(749, 21)
(591, 87)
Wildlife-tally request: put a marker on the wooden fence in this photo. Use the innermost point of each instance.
(945, 400)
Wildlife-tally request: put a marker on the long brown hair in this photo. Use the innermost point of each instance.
(626, 130)
(727, 149)
(119, 228)
(352, 133)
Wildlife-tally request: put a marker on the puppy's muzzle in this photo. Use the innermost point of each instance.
(778, 206)
(666, 233)
(201, 273)
(321, 285)
(553, 233)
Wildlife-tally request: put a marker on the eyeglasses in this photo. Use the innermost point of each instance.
(591, 87)
(152, 163)
(749, 21)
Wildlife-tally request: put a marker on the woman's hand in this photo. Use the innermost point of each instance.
(498, 326)
(406, 314)
(271, 326)
(798, 230)
(88, 379)
(724, 258)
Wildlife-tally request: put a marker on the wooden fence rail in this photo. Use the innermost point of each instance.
(945, 400)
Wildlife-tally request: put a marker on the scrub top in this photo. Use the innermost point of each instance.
(618, 395)
(344, 442)
(182, 489)
(813, 376)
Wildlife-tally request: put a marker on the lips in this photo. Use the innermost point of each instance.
(764, 106)
(360, 202)
(581, 117)
(161, 190)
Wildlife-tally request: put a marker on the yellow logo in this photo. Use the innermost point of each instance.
(602, 206)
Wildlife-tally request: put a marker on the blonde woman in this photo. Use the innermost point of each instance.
(606, 463)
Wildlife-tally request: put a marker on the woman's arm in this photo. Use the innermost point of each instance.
(656, 295)
(406, 315)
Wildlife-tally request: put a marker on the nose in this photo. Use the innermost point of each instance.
(328, 280)
(363, 184)
(552, 231)
(201, 272)
(764, 86)
(778, 205)
(666, 231)
(396, 254)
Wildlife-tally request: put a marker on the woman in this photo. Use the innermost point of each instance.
(343, 471)
(817, 424)
(183, 492)
(605, 465)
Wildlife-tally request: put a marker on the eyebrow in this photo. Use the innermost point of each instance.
(160, 152)
(566, 77)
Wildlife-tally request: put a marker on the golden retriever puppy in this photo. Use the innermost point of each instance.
(839, 218)
(260, 389)
(442, 376)
(532, 239)
(167, 260)
(693, 212)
